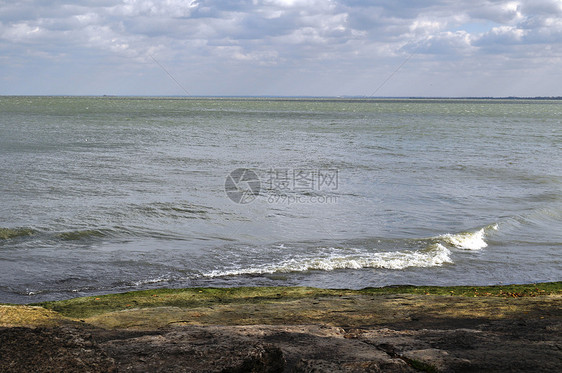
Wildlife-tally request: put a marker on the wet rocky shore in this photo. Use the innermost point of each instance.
(397, 329)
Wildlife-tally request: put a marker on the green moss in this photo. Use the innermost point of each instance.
(527, 290)
(183, 298)
(207, 297)
(19, 315)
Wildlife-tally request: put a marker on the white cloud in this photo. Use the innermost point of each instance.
(161, 8)
(456, 44)
(22, 32)
(344, 40)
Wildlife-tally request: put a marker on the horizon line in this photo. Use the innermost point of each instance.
(297, 96)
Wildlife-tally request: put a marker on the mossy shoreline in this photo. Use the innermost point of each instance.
(205, 297)
(290, 329)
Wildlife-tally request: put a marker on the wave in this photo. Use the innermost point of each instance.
(469, 240)
(8, 233)
(51, 235)
(182, 210)
(545, 216)
(81, 234)
(432, 252)
(435, 255)
(150, 281)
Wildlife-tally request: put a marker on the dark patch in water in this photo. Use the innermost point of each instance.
(7, 233)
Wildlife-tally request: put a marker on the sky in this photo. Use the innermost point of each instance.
(398, 48)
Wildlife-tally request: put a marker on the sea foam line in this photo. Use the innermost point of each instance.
(436, 255)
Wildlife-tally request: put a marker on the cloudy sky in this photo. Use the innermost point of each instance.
(282, 47)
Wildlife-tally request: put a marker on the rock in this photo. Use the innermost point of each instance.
(327, 333)
(50, 350)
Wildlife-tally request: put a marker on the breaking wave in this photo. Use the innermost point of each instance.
(436, 255)
(435, 252)
(468, 240)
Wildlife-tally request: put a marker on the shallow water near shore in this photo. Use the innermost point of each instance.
(107, 194)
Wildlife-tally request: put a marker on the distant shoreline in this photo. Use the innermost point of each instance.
(344, 97)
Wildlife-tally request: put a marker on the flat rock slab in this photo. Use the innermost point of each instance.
(494, 346)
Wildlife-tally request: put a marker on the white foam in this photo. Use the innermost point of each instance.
(436, 255)
(150, 281)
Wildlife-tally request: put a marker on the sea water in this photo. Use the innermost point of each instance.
(112, 194)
